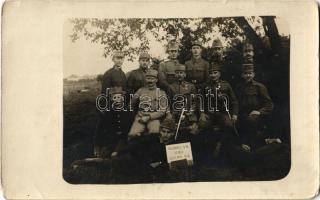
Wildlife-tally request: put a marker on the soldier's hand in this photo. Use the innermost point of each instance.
(246, 147)
(194, 130)
(203, 117)
(255, 112)
(144, 119)
(234, 117)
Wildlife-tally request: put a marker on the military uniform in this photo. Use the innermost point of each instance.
(151, 104)
(166, 71)
(252, 96)
(112, 128)
(114, 77)
(186, 89)
(197, 71)
(137, 78)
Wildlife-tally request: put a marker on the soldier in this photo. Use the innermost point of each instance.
(247, 52)
(113, 126)
(152, 107)
(221, 106)
(114, 77)
(217, 54)
(167, 68)
(197, 68)
(255, 104)
(181, 91)
(137, 78)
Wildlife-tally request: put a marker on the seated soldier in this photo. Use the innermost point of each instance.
(140, 154)
(221, 107)
(146, 151)
(113, 125)
(255, 104)
(180, 95)
(152, 107)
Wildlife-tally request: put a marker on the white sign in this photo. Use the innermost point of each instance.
(180, 151)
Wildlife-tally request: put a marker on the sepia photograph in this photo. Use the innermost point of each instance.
(167, 100)
(160, 99)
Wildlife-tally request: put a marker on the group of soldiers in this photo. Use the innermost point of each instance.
(138, 135)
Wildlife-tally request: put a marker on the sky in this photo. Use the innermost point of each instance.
(85, 58)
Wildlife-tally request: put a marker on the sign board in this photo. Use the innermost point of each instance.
(177, 152)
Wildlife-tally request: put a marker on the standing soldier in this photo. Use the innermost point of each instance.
(255, 104)
(137, 78)
(221, 106)
(113, 126)
(151, 107)
(247, 52)
(114, 77)
(181, 91)
(217, 54)
(167, 68)
(197, 68)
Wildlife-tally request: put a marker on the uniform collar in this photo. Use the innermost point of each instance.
(196, 59)
(116, 67)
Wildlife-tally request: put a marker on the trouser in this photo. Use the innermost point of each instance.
(249, 126)
(138, 128)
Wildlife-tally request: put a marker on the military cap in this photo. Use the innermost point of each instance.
(180, 67)
(196, 43)
(172, 45)
(247, 67)
(144, 55)
(215, 67)
(118, 54)
(116, 90)
(169, 124)
(152, 72)
(216, 43)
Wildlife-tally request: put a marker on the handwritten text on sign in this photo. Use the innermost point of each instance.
(179, 152)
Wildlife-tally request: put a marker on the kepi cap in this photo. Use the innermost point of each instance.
(152, 72)
(215, 67)
(144, 55)
(217, 43)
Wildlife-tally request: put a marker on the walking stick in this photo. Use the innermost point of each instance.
(179, 122)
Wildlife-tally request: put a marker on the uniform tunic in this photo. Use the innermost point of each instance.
(167, 73)
(112, 130)
(136, 80)
(152, 102)
(186, 89)
(114, 77)
(220, 88)
(252, 96)
(197, 71)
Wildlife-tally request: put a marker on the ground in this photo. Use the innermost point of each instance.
(80, 117)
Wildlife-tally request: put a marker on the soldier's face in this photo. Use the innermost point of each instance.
(196, 51)
(218, 50)
(173, 54)
(248, 75)
(118, 60)
(166, 134)
(214, 75)
(248, 54)
(144, 63)
(180, 75)
(151, 81)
